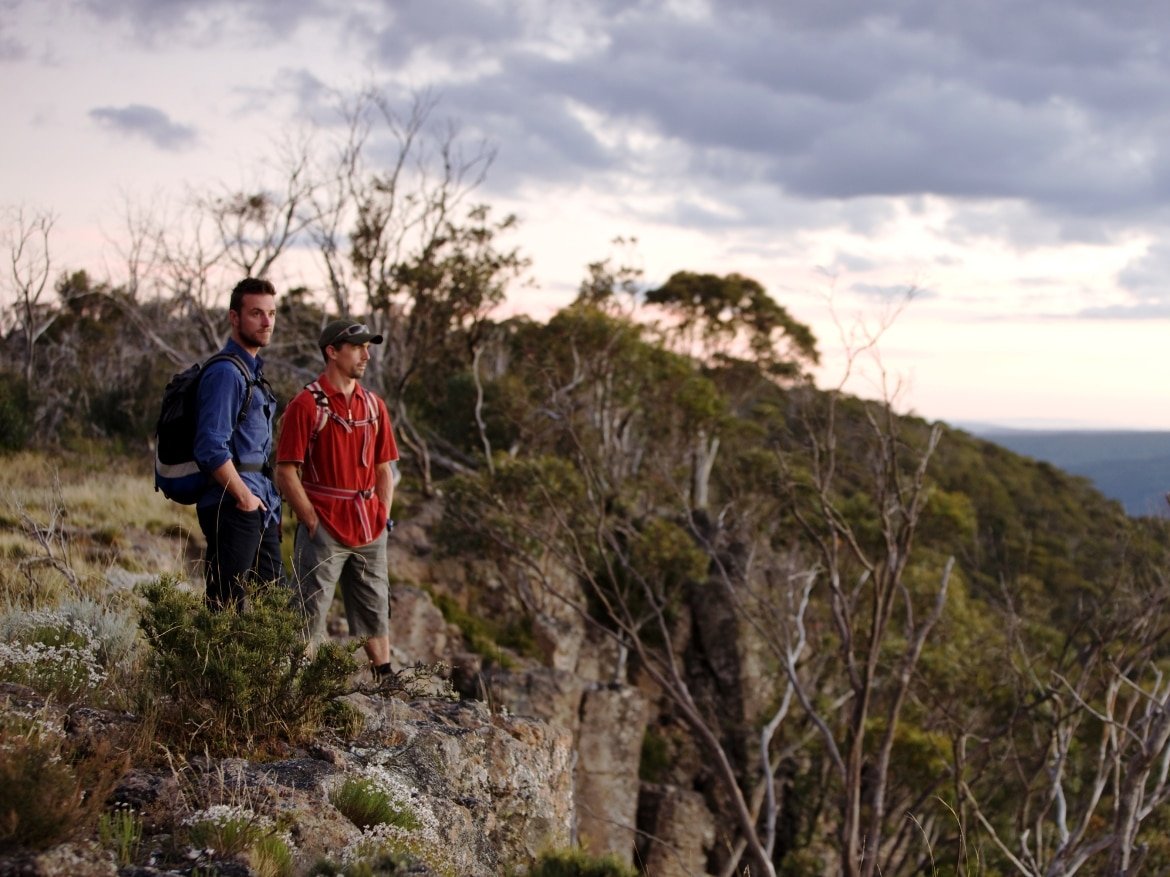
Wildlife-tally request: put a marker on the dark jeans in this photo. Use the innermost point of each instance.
(240, 551)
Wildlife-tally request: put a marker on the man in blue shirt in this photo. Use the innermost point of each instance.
(239, 511)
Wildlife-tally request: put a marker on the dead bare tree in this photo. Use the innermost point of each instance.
(26, 238)
(191, 252)
(383, 232)
(1101, 770)
(255, 224)
(872, 607)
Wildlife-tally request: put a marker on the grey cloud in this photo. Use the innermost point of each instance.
(934, 104)
(1148, 278)
(891, 294)
(1056, 106)
(150, 123)
(12, 49)
(202, 22)
(1140, 311)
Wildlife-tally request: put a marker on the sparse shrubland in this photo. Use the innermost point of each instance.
(869, 644)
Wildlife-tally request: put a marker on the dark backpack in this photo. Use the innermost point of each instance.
(176, 473)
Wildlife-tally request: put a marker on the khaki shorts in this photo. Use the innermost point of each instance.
(322, 563)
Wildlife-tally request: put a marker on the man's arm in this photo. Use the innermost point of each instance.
(384, 484)
(229, 479)
(288, 482)
(222, 391)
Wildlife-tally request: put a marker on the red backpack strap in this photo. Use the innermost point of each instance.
(322, 400)
(371, 407)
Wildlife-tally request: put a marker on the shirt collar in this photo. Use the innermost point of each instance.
(254, 362)
(331, 390)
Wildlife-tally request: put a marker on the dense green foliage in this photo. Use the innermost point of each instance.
(607, 433)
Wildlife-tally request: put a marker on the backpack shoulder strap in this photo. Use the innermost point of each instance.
(372, 404)
(323, 415)
(322, 400)
(249, 381)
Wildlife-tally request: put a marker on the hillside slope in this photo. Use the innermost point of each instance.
(1132, 467)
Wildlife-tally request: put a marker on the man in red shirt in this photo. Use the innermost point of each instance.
(333, 468)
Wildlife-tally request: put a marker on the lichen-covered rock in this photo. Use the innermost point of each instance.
(500, 786)
(552, 696)
(487, 792)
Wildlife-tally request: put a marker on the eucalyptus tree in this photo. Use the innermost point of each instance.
(714, 317)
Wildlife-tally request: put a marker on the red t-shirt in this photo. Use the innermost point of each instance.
(339, 472)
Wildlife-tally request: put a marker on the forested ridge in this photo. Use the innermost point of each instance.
(872, 643)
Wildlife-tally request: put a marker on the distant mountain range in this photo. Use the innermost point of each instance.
(1132, 467)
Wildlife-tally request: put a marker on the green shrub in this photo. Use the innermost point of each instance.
(344, 718)
(575, 863)
(225, 828)
(227, 831)
(655, 763)
(16, 414)
(238, 681)
(272, 856)
(487, 638)
(399, 831)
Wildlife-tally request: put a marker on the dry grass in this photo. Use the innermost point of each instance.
(67, 521)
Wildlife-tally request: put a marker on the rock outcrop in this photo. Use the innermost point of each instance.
(489, 791)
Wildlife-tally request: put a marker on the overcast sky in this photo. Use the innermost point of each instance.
(1010, 161)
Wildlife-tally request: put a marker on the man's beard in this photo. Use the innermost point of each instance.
(253, 341)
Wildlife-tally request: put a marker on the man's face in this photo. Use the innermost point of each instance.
(255, 320)
(352, 359)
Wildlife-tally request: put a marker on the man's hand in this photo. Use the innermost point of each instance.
(250, 503)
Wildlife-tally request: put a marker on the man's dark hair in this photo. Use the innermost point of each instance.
(249, 286)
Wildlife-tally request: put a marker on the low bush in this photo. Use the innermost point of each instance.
(120, 831)
(51, 792)
(16, 414)
(398, 830)
(226, 832)
(238, 682)
(81, 649)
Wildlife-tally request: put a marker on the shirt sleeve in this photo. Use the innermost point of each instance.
(295, 426)
(386, 449)
(220, 395)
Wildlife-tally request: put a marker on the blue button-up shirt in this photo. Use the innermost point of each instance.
(221, 395)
